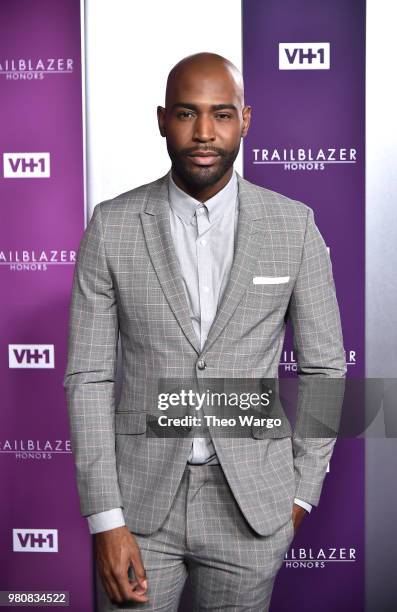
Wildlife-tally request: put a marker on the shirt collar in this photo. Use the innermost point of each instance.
(185, 206)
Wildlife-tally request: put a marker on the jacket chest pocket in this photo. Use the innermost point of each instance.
(268, 291)
(271, 285)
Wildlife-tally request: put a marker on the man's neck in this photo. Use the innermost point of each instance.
(202, 195)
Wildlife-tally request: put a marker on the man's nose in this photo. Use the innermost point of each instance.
(204, 129)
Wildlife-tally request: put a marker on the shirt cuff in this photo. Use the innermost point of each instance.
(103, 521)
(303, 504)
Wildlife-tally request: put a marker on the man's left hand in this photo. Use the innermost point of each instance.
(298, 514)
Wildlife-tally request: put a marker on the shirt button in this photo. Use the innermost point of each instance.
(203, 242)
(206, 289)
(201, 364)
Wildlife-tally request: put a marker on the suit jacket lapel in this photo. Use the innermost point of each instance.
(249, 239)
(157, 231)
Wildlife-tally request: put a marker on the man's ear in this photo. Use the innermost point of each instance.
(161, 119)
(246, 120)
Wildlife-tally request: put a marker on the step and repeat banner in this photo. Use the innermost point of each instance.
(44, 543)
(304, 65)
(304, 69)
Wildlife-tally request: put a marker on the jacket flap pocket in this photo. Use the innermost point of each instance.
(130, 422)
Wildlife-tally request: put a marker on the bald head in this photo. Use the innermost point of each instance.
(201, 68)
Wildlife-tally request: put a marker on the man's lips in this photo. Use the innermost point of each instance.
(203, 158)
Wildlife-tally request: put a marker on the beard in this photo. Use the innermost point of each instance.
(200, 177)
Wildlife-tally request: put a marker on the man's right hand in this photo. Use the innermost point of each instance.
(117, 549)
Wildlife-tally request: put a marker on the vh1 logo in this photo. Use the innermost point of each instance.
(35, 540)
(304, 56)
(31, 355)
(26, 165)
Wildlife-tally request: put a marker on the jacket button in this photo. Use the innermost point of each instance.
(201, 364)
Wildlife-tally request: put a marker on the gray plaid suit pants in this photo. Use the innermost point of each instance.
(205, 535)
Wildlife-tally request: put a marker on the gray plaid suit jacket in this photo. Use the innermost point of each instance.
(127, 282)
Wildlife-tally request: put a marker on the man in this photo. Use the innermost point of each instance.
(198, 272)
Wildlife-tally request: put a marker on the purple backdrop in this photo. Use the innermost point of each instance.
(307, 141)
(42, 213)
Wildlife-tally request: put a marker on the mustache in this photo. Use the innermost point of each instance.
(195, 150)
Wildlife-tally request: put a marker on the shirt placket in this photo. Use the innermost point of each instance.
(204, 270)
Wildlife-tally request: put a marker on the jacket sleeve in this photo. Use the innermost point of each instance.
(318, 343)
(90, 374)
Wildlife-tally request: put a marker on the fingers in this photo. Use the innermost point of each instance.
(111, 588)
(129, 591)
(139, 583)
(139, 570)
(120, 589)
(136, 586)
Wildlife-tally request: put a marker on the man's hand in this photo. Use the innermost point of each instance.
(298, 514)
(116, 549)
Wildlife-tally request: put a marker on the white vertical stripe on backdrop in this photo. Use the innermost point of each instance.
(381, 189)
(381, 300)
(83, 101)
(130, 48)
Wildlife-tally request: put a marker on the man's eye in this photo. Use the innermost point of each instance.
(184, 114)
(223, 116)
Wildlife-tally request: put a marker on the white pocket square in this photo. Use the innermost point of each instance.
(270, 280)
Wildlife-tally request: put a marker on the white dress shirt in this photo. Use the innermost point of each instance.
(203, 236)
